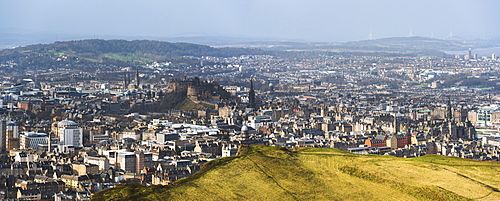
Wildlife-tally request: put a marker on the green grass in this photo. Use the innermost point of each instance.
(206, 105)
(181, 64)
(420, 85)
(127, 58)
(57, 53)
(93, 60)
(275, 173)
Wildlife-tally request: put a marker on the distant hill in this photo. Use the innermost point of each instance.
(111, 52)
(274, 173)
(410, 43)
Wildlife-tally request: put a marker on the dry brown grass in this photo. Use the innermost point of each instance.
(271, 173)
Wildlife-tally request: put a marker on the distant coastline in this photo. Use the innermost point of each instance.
(480, 52)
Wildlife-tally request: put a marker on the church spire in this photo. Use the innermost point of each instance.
(396, 124)
(49, 149)
(125, 80)
(137, 77)
(449, 114)
(251, 95)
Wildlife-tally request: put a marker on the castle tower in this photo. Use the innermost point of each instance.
(192, 93)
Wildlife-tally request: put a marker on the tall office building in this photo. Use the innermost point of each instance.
(12, 139)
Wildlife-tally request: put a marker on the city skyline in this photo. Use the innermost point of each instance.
(277, 100)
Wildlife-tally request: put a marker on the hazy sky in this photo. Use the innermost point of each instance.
(308, 20)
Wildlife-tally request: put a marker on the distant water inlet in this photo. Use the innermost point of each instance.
(487, 52)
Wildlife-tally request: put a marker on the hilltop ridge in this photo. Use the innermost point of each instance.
(275, 173)
(110, 52)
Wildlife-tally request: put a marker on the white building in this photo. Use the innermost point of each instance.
(32, 140)
(126, 161)
(161, 122)
(229, 150)
(71, 136)
(101, 161)
(121, 159)
(257, 121)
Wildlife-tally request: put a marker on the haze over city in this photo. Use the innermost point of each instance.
(311, 21)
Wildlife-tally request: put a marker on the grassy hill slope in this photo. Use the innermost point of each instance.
(273, 173)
